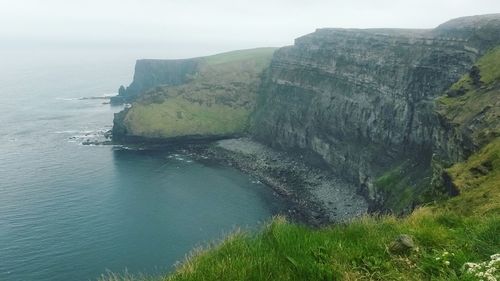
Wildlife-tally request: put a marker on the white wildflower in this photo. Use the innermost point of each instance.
(485, 271)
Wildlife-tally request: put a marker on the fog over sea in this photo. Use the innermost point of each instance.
(70, 211)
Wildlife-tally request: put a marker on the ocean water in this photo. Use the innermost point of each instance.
(72, 212)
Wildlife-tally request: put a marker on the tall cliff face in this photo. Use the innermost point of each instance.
(363, 100)
(150, 73)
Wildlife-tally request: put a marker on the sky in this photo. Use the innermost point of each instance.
(196, 27)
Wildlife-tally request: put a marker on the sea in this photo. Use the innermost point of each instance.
(70, 211)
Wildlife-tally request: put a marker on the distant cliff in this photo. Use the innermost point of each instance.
(364, 101)
(150, 73)
(196, 99)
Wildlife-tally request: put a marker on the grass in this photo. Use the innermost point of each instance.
(489, 66)
(241, 55)
(479, 105)
(478, 179)
(358, 251)
(355, 251)
(179, 117)
(216, 101)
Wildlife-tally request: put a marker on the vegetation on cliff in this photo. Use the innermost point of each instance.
(216, 101)
(470, 119)
(472, 104)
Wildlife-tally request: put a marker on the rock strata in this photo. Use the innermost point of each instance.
(363, 100)
(150, 73)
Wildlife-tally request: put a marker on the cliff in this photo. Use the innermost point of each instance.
(205, 98)
(150, 73)
(364, 100)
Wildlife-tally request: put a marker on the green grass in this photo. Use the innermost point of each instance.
(479, 105)
(358, 251)
(478, 179)
(240, 55)
(179, 117)
(490, 66)
(355, 251)
(216, 101)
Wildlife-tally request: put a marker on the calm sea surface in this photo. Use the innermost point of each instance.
(71, 212)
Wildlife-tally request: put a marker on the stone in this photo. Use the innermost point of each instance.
(402, 245)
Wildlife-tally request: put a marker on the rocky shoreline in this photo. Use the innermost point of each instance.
(314, 195)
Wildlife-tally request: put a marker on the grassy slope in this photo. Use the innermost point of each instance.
(479, 106)
(467, 227)
(216, 101)
(179, 117)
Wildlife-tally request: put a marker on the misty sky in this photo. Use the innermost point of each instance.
(218, 25)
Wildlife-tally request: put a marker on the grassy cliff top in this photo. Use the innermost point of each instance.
(216, 101)
(240, 55)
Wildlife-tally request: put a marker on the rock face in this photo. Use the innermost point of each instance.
(363, 100)
(150, 73)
